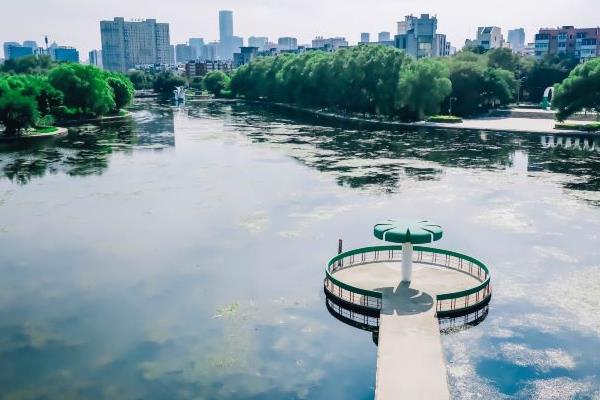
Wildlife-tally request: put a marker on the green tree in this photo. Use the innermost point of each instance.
(422, 88)
(362, 79)
(17, 112)
(477, 86)
(550, 70)
(196, 83)
(166, 82)
(498, 88)
(28, 65)
(37, 86)
(467, 82)
(503, 58)
(216, 82)
(85, 89)
(141, 80)
(579, 91)
(122, 88)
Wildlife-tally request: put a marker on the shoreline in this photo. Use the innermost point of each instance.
(60, 131)
(109, 118)
(490, 123)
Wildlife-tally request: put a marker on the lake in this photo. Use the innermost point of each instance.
(181, 254)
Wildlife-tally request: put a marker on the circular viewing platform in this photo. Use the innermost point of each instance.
(451, 283)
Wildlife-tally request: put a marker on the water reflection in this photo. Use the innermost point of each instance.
(198, 272)
(87, 149)
(383, 159)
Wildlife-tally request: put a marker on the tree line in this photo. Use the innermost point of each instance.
(34, 91)
(367, 79)
(382, 80)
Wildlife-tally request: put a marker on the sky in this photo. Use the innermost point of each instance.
(76, 22)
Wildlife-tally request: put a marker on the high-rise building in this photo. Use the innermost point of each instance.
(225, 25)
(383, 37)
(237, 43)
(270, 46)
(287, 43)
(418, 37)
(183, 53)
(126, 44)
(14, 50)
(258, 41)
(171, 60)
(583, 43)
(196, 44)
(95, 58)
(6, 46)
(439, 45)
(65, 54)
(488, 38)
(365, 37)
(516, 40)
(212, 51)
(227, 46)
(32, 44)
(246, 55)
(329, 43)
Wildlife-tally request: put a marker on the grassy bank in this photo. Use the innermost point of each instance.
(592, 127)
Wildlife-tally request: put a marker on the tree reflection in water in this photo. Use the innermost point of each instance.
(86, 150)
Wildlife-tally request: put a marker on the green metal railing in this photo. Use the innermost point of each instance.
(446, 303)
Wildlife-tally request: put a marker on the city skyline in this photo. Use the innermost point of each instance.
(272, 19)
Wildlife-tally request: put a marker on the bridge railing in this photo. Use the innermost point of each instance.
(447, 304)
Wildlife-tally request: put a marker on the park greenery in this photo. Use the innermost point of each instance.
(165, 82)
(580, 90)
(384, 81)
(378, 80)
(35, 92)
(217, 83)
(364, 80)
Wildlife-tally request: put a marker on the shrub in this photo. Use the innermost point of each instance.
(446, 119)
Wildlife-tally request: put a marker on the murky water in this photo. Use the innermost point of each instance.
(181, 255)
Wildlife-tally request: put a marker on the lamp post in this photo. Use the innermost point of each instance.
(450, 106)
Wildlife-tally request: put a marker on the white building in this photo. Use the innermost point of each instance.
(418, 37)
(383, 37)
(258, 41)
(488, 37)
(196, 44)
(516, 40)
(287, 43)
(131, 43)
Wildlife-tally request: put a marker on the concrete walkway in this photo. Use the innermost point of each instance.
(503, 124)
(498, 124)
(410, 358)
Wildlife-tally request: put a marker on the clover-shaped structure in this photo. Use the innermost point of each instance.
(408, 233)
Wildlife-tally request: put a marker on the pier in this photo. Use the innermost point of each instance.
(401, 300)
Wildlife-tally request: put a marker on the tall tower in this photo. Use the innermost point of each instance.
(226, 34)
(225, 25)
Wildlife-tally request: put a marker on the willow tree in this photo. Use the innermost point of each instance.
(579, 91)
